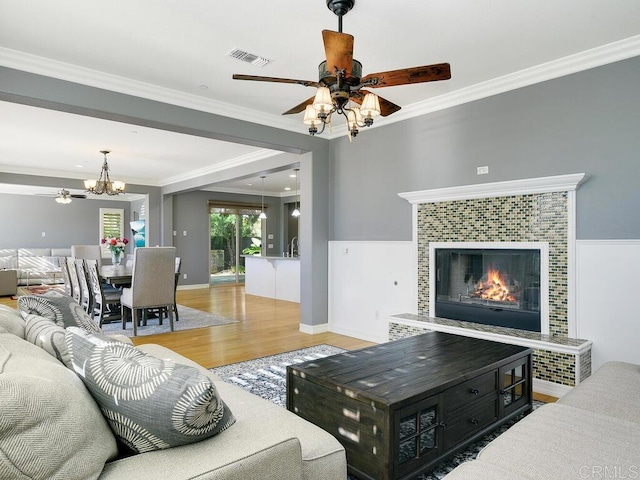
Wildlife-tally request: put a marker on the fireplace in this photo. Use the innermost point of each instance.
(494, 284)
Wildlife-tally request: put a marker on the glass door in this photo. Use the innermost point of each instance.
(234, 231)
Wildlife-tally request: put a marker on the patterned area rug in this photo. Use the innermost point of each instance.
(189, 318)
(267, 378)
(37, 290)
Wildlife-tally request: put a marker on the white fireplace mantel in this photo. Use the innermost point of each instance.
(558, 183)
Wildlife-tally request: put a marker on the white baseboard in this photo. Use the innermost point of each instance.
(358, 334)
(549, 388)
(193, 287)
(314, 329)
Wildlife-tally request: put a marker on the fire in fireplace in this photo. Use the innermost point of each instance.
(498, 286)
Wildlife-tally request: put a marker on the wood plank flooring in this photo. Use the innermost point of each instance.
(266, 327)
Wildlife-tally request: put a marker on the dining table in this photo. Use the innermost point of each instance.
(118, 276)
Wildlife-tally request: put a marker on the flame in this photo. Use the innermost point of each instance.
(494, 288)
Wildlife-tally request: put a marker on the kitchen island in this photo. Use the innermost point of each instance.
(273, 277)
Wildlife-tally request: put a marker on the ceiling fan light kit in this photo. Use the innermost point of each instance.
(63, 197)
(104, 183)
(340, 88)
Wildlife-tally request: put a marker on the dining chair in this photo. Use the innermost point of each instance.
(73, 278)
(152, 284)
(86, 296)
(106, 302)
(87, 252)
(62, 261)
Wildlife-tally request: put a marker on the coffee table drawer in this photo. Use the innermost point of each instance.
(470, 421)
(470, 391)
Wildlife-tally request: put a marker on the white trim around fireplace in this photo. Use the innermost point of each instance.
(543, 247)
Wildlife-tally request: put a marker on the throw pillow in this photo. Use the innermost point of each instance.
(45, 334)
(150, 403)
(11, 321)
(60, 308)
(50, 426)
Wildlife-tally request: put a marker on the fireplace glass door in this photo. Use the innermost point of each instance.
(490, 286)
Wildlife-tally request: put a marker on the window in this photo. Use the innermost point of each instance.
(111, 225)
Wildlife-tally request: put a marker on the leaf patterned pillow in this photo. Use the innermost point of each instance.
(149, 403)
(60, 308)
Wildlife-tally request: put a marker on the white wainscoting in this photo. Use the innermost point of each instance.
(608, 298)
(368, 282)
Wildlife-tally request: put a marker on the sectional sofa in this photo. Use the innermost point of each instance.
(54, 423)
(593, 432)
(34, 265)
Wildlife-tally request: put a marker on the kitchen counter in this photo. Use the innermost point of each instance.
(273, 277)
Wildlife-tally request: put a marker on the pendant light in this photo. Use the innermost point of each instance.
(296, 212)
(263, 216)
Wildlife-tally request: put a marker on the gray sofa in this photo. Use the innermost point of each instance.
(265, 442)
(593, 432)
(34, 266)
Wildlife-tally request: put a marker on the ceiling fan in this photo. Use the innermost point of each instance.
(341, 84)
(63, 196)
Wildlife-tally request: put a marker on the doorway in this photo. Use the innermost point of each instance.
(235, 230)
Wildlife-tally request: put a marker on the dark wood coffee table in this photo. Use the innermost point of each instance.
(402, 407)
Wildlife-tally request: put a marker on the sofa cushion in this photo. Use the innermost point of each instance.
(609, 391)
(150, 403)
(12, 321)
(561, 442)
(50, 427)
(60, 308)
(260, 422)
(44, 333)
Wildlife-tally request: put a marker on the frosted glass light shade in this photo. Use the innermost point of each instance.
(311, 116)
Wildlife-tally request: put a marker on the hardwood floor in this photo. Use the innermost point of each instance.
(265, 327)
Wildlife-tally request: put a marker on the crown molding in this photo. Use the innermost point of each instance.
(220, 166)
(93, 78)
(528, 186)
(609, 53)
(596, 57)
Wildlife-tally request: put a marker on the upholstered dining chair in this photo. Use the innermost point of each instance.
(106, 302)
(73, 278)
(88, 252)
(152, 284)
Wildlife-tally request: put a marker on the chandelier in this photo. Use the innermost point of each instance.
(327, 102)
(104, 183)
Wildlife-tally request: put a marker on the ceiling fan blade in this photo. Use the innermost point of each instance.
(338, 48)
(405, 76)
(301, 107)
(386, 107)
(256, 78)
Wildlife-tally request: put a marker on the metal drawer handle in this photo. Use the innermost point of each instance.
(474, 391)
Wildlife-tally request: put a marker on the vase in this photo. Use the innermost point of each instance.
(116, 258)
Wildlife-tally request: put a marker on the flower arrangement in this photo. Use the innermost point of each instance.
(116, 244)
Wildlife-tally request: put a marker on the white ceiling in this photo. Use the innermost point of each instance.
(171, 50)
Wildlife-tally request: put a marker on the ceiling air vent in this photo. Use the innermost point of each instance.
(249, 57)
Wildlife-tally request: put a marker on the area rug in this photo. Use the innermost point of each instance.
(37, 290)
(267, 378)
(190, 318)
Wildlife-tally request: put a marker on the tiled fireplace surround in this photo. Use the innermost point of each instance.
(538, 210)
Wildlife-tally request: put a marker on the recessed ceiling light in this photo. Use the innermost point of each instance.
(249, 184)
(203, 87)
(79, 166)
(287, 188)
(292, 175)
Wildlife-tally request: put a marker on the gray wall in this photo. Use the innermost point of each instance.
(25, 217)
(191, 214)
(587, 122)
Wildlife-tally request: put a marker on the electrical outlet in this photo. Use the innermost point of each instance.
(482, 170)
(184, 233)
(44, 234)
(184, 276)
(175, 234)
(270, 245)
